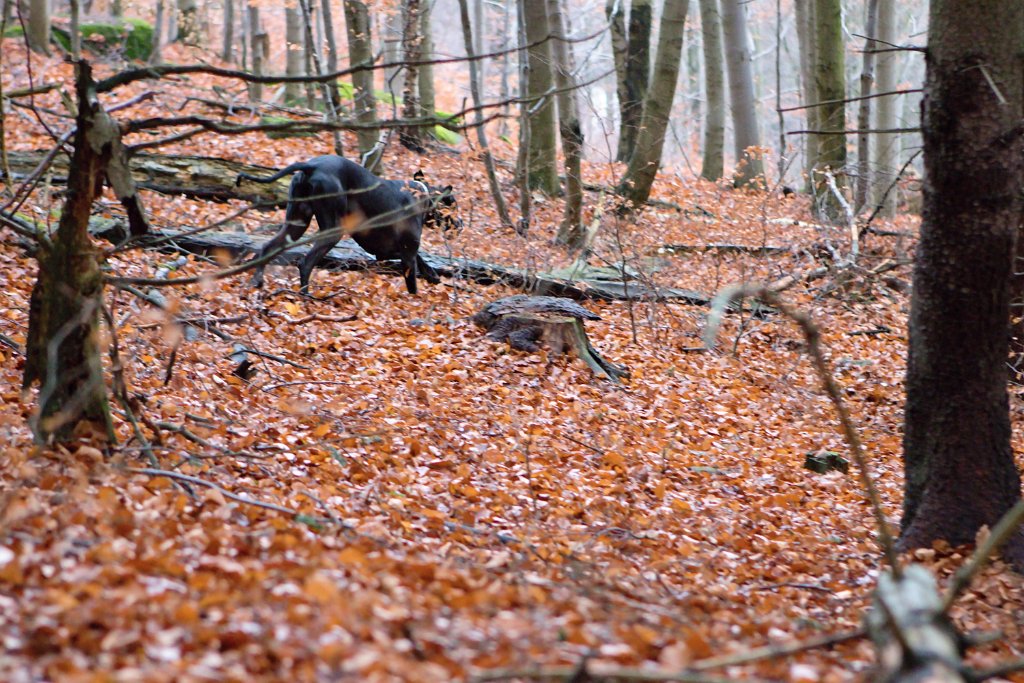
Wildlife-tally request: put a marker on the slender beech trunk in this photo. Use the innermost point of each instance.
(808, 57)
(887, 145)
(258, 40)
(636, 184)
(227, 49)
(295, 53)
(571, 230)
(426, 72)
(38, 34)
(360, 51)
(481, 133)
(412, 52)
(830, 87)
(738, 61)
(959, 463)
(542, 167)
(867, 82)
(637, 75)
(713, 165)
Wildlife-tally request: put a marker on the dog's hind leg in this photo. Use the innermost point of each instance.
(426, 270)
(328, 218)
(297, 216)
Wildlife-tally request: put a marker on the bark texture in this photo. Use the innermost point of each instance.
(713, 165)
(739, 62)
(960, 471)
(570, 231)
(360, 51)
(63, 348)
(636, 74)
(542, 167)
(643, 165)
(887, 145)
(830, 89)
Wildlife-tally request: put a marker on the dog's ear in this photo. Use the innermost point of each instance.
(418, 176)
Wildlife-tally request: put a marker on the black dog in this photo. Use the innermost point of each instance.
(384, 217)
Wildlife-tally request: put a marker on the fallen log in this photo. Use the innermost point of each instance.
(347, 255)
(200, 177)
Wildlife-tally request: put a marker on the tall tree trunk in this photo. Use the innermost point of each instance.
(294, 51)
(739, 62)
(571, 230)
(227, 48)
(887, 145)
(867, 82)
(635, 185)
(258, 40)
(188, 23)
(481, 133)
(713, 165)
(808, 58)
(480, 39)
(360, 51)
(830, 87)
(960, 472)
(426, 72)
(63, 348)
(39, 26)
(638, 74)
(542, 167)
(615, 12)
(412, 52)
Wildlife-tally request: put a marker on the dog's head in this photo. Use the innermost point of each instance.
(442, 209)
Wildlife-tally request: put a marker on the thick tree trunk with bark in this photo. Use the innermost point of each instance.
(867, 84)
(63, 348)
(295, 47)
(643, 165)
(360, 51)
(808, 58)
(713, 165)
(637, 73)
(541, 165)
(887, 145)
(960, 471)
(412, 52)
(38, 33)
(571, 230)
(426, 71)
(739, 61)
(830, 88)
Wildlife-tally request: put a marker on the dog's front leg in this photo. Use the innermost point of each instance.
(296, 221)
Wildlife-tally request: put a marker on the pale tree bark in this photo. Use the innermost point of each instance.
(480, 38)
(426, 72)
(867, 82)
(542, 168)
(739, 63)
(571, 230)
(360, 51)
(637, 65)
(188, 22)
(636, 184)
(259, 41)
(615, 12)
(295, 52)
(887, 145)
(38, 29)
(830, 87)
(960, 471)
(227, 48)
(713, 165)
(74, 30)
(808, 57)
(412, 52)
(481, 134)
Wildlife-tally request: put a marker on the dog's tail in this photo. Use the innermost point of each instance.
(287, 170)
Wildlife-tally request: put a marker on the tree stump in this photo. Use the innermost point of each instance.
(527, 321)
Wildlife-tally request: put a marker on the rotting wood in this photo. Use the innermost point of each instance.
(348, 256)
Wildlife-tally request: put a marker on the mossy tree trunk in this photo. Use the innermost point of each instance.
(63, 349)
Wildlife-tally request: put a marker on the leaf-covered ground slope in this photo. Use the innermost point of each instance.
(459, 506)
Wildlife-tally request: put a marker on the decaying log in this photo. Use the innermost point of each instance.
(527, 321)
(177, 174)
(348, 256)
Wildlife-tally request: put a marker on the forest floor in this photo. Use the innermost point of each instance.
(452, 506)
